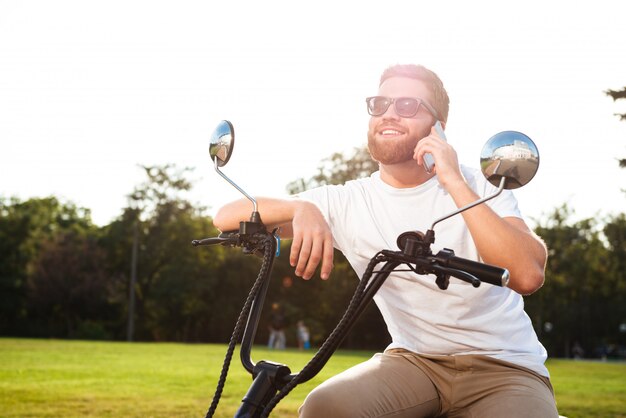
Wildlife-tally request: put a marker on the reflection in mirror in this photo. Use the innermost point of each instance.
(222, 143)
(512, 155)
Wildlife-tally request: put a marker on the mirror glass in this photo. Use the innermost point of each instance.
(222, 143)
(512, 155)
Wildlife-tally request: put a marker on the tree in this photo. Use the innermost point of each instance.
(582, 298)
(172, 281)
(67, 289)
(616, 95)
(337, 169)
(615, 232)
(27, 227)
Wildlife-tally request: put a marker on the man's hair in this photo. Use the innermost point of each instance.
(419, 72)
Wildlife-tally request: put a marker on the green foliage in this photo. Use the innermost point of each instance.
(617, 95)
(582, 298)
(26, 229)
(337, 169)
(164, 186)
(173, 286)
(615, 234)
(67, 290)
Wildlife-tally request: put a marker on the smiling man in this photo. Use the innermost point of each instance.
(461, 352)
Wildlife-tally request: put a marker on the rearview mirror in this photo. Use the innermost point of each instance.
(220, 149)
(512, 155)
(509, 160)
(222, 143)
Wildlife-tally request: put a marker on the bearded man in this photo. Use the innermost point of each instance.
(462, 352)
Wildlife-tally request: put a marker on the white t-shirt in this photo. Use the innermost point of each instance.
(367, 215)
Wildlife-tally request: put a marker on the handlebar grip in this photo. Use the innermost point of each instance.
(484, 272)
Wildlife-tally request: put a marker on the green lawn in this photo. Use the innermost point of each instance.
(53, 378)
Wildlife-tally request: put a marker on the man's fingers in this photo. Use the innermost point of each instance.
(422, 147)
(314, 259)
(327, 260)
(296, 244)
(303, 257)
(308, 252)
(312, 243)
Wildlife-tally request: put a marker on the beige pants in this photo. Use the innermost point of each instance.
(399, 383)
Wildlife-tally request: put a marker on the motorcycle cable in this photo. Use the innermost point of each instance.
(353, 311)
(241, 320)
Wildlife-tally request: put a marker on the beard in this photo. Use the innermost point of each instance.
(391, 151)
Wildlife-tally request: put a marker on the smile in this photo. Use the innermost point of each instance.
(391, 132)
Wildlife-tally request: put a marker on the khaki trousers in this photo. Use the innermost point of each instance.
(399, 383)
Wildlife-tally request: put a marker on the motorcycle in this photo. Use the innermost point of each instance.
(508, 160)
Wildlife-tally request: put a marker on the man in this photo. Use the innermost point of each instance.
(462, 352)
(276, 327)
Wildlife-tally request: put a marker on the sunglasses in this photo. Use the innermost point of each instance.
(405, 107)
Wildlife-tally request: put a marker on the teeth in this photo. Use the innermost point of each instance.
(391, 132)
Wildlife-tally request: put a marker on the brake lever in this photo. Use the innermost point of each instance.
(465, 276)
(443, 274)
(210, 241)
(225, 238)
(430, 265)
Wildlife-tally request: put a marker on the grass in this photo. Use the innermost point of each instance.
(53, 378)
(589, 389)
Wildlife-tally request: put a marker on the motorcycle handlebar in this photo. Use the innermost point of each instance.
(484, 272)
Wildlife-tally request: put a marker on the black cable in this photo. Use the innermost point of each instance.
(267, 255)
(331, 343)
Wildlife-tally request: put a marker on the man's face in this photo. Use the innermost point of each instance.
(392, 139)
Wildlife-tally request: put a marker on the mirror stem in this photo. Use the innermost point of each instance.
(232, 183)
(471, 205)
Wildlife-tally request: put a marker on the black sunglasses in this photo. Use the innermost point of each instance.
(405, 107)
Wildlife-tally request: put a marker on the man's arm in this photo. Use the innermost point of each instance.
(504, 242)
(298, 219)
(274, 213)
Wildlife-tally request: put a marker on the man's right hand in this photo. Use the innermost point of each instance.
(312, 242)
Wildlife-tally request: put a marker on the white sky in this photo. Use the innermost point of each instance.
(91, 89)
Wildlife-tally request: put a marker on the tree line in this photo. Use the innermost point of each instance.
(61, 276)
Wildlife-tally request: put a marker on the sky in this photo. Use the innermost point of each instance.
(91, 90)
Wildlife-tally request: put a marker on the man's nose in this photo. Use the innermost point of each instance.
(390, 113)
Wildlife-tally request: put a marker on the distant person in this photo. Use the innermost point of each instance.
(577, 351)
(302, 334)
(277, 325)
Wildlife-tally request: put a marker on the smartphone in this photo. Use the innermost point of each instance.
(429, 161)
